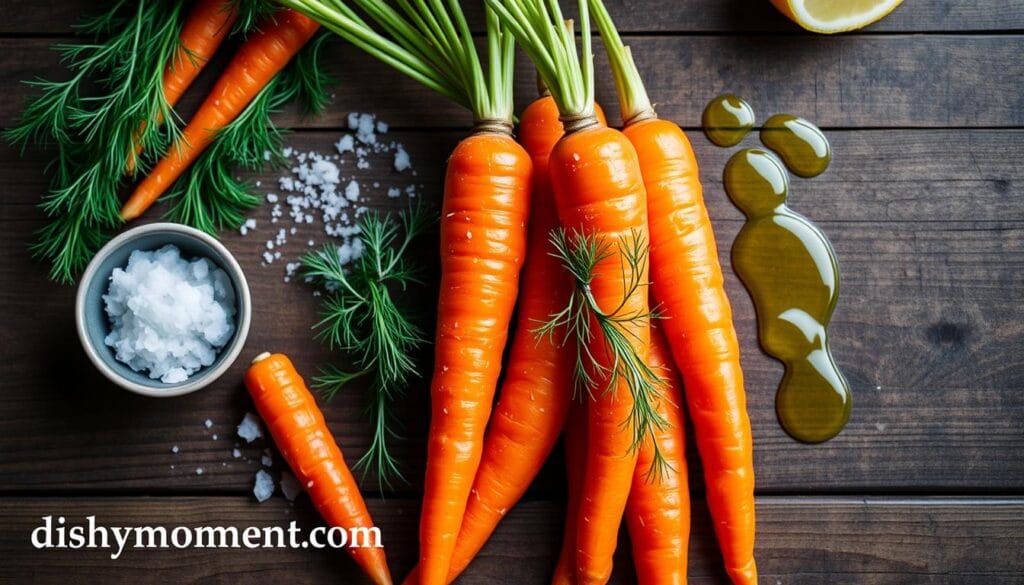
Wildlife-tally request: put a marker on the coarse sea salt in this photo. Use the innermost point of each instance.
(316, 189)
(169, 316)
(249, 428)
(263, 486)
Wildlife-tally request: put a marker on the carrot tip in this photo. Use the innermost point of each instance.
(261, 357)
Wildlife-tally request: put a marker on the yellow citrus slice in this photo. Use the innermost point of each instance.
(833, 16)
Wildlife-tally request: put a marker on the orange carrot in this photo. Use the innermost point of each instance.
(207, 26)
(688, 285)
(602, 205)
(658, 512)
(575, 462)
(483, 245)
(257, 61)
(596, 178)
(305, 442)
(537, 388)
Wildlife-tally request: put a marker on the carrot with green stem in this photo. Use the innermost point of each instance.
(536, 391)
(206, 27)
(601, 201)
(483, 241)
(261, 57)
(688, 286)
(300, 433)
(658, 511)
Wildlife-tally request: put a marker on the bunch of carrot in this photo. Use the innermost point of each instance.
(262, 56)
(609, 212)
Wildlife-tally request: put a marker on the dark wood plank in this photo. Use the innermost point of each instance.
(647, 16)
(929, 228)
(845, 81)
(800, 540)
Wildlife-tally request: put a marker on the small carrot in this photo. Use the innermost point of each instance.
(658, 511)
(687, 283)
(261, 57)
(575, 440)
(299, 431)
(207, 26)
(536, 391)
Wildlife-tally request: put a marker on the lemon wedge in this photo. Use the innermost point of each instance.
(833, 16)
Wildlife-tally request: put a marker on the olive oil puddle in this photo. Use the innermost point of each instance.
(727, 120)
(799, 143)
(789, 267)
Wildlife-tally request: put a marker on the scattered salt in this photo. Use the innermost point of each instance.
(174, 449)
(249, 428)
(352, 190)
(263, 486)
(171, 336)
(214, 436)
(199, 470)
(271, 198)
(267, 461)
(208, 423)
(236, 453)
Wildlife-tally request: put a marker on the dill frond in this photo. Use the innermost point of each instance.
(91, 120)
(364, 317)
(606, 355)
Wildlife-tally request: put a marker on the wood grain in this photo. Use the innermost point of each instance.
(849, 81)
(801, 541)
(931, 259)
(678, 16)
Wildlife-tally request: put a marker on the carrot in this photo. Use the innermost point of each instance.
(658, 511)
(536, 391)
(305, 442)
(483, 244)
(207, 26)
(601, 201)
(575, 461)
(688, 285)
(257, 61)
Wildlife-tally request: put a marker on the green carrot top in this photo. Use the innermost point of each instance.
(430, 42)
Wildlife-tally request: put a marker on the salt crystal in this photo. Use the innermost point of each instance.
(345, 144)
(402, 160)
(169, 336)
(249, 428)
(382, 127)
(214, 436)
(352, 191)
(174, 449)
(263, 486)
(267, 461)
(199, 470)
(236, 453)
(394, 192)
(208, 423)
(271, 198)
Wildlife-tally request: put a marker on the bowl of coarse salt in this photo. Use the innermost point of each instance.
(163, 310)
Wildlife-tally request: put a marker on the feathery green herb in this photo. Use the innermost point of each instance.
(615, 359)
(364, 317)
(112, 101)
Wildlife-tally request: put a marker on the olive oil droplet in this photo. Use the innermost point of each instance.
(800, 144)
(727, 119)
(790, 269)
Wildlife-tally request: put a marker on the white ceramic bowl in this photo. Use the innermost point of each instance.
(93, 324)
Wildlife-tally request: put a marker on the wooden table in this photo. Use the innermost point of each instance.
(923, 203)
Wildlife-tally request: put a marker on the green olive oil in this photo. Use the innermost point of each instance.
(790, 269)
(727, 120)
(799, 143)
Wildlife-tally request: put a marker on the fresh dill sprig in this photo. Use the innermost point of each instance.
(606, 356)
(113, 100)
(92, 121)
(364, 317)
